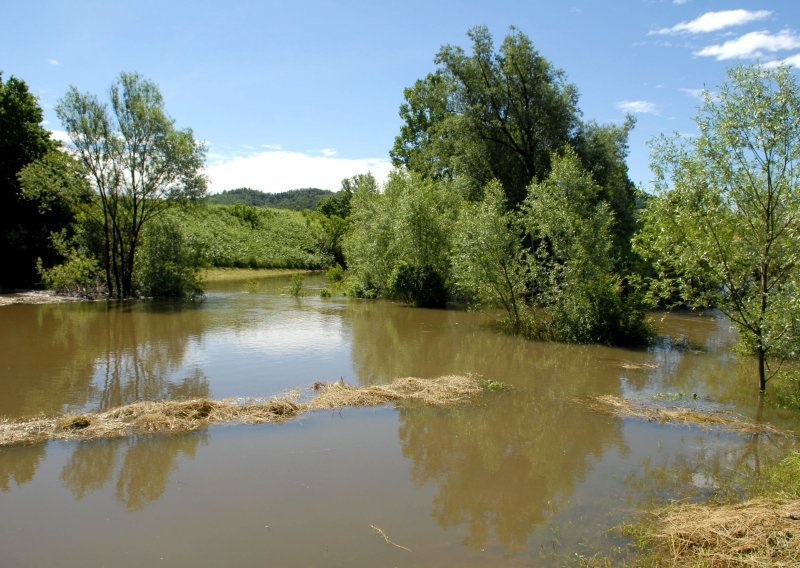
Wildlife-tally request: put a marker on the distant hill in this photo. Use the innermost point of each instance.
(296, 199)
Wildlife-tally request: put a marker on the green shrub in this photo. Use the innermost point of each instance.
(167, 266)
(335, 273)
(325, 293)
(296, 285)
(78, 275)
(418, 285)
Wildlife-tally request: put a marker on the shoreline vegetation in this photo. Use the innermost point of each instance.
(176, 416)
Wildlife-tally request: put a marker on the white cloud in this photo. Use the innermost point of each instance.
(54, 62)
(639, 107)
(715, 21)
(280, 170)
(328, 152)
(61, 136)
(752, 45)
(792, 61)
(694, 93)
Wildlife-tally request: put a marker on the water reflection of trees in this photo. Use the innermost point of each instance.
(146, 466)
(60, 357)
(391, 341)
(505, 466)
(19, 465)
(702, 466)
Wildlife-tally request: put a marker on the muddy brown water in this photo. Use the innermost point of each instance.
(526, 477)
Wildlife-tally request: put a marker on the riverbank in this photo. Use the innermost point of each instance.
(211, 275)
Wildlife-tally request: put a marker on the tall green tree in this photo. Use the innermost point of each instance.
(136, 160)
(501, 114)
(24, 228)
(488, 115)
(728, 207)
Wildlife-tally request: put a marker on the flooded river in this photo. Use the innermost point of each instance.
(525, 477)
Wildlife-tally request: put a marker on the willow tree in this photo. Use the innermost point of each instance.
(728, 207)
(137, 162)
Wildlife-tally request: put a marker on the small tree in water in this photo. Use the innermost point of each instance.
(137, 162)
(728, 205)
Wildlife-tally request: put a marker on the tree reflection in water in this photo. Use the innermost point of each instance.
(19, 465)
(505, 466)
(146, 467)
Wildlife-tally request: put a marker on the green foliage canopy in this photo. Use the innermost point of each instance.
(24, 227)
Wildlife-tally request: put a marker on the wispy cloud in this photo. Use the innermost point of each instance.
(328, 152)
(792, 61)
(679, 2)
(714, 22)
(54, 62)
(280, 170)
(639, 107)
(752, 45)
(694, 93)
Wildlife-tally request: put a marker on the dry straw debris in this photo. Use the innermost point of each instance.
(761, 532)
(678, 415)
(183, 416)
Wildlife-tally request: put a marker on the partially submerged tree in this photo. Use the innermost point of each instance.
(728, 207)
(572, 268)
(137, 162)
(488, 258)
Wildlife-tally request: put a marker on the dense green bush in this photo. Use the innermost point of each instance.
(78, 275)
(418, 285)
(166, 265)
(410, 223)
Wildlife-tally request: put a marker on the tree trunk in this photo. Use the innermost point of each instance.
(762, 375)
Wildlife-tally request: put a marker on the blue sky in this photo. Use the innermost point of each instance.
(304, 93)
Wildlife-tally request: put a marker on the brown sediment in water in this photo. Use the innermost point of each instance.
(625, 408)
(183, 416)
(761, 532)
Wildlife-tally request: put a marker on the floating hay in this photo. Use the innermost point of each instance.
(762, 532)
(451, 389)
(187, 415)
(630, 366)
(678, 415)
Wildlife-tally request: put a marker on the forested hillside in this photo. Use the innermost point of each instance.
(306, 198)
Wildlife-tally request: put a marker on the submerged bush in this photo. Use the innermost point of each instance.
(78, 275)
(167, 266)
(335, 273)
(418, 285)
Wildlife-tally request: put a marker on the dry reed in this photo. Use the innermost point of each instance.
(677, 415)
(187, 415)
(761, 532)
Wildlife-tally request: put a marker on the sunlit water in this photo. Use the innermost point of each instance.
(526, 477)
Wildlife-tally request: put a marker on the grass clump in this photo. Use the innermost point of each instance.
(759, 532)
(186, 415)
